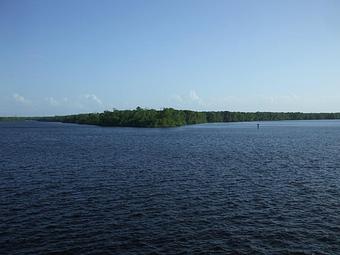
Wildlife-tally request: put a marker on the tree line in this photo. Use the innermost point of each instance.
(169, 117)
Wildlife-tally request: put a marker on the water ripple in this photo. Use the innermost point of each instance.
(205, 189)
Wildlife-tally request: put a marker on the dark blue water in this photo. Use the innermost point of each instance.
(204, 189)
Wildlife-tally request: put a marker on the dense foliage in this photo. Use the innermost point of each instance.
(170, 117)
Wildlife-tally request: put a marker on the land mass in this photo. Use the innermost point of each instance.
(169, 117)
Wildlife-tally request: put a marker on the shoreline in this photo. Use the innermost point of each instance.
(169, 117)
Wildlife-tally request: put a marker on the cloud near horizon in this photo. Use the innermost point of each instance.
(94, 98)
(52, 101)
(20, 99)
(191, 99)
(261, 102)
(193, 95)
(51, 105)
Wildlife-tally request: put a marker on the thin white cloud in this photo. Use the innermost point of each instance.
(192, 100)
(282, 99)
(52, 101)
(177, 98)
(20, 99)
(94, 98)
(81, 103)
(294, 96)
(193, 95)
(189, 100)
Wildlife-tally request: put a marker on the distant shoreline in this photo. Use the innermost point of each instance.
(169, 117)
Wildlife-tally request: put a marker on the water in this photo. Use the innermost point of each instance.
(214, 188)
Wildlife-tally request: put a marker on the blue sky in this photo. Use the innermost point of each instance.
(61, 57)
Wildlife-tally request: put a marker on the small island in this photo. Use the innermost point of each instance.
(169, 117)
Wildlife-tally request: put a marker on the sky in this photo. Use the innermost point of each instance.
(73, 56)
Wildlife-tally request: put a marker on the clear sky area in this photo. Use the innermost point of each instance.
(72, 56)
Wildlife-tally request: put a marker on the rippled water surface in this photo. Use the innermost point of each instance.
(214, 188)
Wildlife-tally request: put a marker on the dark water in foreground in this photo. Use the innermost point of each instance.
(215, 188)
